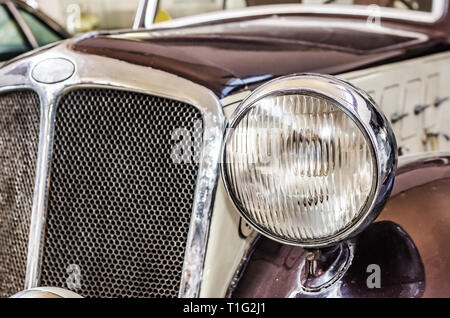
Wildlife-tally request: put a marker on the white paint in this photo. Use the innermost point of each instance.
(390, 85)
(400, 87)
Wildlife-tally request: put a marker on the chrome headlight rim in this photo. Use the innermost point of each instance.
(374, 126)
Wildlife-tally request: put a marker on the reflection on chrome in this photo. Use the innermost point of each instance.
(308, 160)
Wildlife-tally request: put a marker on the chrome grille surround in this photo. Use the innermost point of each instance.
(101, 72)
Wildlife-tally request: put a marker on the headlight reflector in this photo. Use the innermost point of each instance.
(300, 166)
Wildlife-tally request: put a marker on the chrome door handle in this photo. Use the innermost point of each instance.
(420, 109)
(437, 134)
(438, 101)
(397, 117)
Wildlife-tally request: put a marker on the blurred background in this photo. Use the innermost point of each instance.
(79, 16)
(85, 15)
(29, 24)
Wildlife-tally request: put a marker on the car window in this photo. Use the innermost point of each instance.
(43, 34)
(12, 41)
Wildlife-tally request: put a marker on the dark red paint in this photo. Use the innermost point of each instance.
(409, 241)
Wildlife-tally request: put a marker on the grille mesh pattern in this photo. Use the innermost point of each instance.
(119, 207)
(19, 131)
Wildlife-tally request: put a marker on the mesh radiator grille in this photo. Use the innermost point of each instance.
(119, 207)
(19, 133)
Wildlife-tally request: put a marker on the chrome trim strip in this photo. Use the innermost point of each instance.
(438, 10)
(139, 18)
(106, 72)
(146, 11)
(151, 12)
(46, 292)
(157, 32)
(411, 170)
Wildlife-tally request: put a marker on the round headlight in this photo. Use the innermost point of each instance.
(309, 160)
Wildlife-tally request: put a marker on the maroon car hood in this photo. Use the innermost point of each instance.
(232, 56)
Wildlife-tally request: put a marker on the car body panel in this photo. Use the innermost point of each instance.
(235, 56)
(408, 241)
(379, 82)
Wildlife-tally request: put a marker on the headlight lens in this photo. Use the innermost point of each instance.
(300, 166)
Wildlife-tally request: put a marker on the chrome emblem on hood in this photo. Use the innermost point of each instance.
(53, 70)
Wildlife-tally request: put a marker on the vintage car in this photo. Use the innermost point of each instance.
(23, 28)
(284, 150)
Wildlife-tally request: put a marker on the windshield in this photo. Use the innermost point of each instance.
(172, 9)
